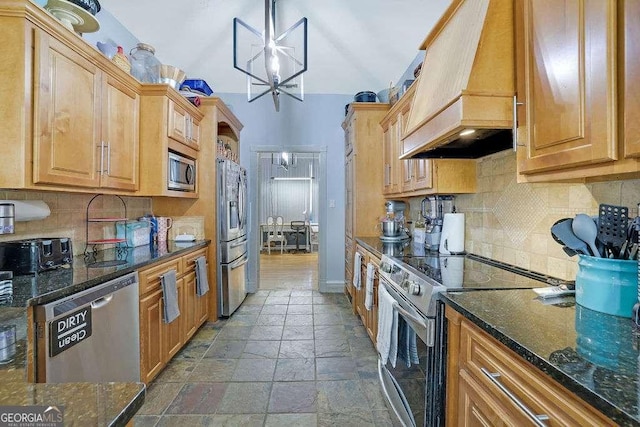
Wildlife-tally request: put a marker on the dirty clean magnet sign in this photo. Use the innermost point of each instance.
(67, 331)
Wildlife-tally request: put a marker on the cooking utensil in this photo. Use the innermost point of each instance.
(562, 231)
(587, 231)
(570, 252)
(612, 227)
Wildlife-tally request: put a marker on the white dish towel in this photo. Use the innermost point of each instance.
(368, 299)
(357, 265)
(387, 338)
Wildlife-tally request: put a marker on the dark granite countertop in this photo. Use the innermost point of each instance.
(592, 354)
(82, 404)
(87, 403)
(37, 289)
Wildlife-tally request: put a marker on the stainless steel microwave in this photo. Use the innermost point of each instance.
(182, 173)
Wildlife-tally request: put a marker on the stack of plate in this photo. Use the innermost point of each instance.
(76, 18)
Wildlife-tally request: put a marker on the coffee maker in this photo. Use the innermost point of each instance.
(432, 210)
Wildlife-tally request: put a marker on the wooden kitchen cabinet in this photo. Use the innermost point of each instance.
(174, 331)
(168, 122)
(348, 270)
(71, 115)
(577, 67)
(152, 349)
(473, 398)
(182, 126)
(364, 203)
(419, 177)
(391, 164)
(197, 308)
(159, 341)
(369, 318)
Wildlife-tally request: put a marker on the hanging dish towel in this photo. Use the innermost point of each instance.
(202, 283)
(357, 265)
(407, 344)
(368, 299)
(170, 296)
(387, 338)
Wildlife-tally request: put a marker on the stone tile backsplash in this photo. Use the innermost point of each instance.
(511, 222)
(69, 214)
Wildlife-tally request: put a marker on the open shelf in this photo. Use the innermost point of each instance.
(114, 219)
(105, 241)
(92, 244)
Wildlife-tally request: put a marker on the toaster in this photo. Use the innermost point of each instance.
(35, 255)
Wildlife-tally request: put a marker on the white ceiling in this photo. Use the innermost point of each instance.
(353, 45)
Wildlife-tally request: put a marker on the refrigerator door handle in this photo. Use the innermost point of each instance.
(238, 263)
(240, 243)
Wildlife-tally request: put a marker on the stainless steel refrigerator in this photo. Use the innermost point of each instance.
(232, 256)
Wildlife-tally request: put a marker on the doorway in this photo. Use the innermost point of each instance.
(289, 183)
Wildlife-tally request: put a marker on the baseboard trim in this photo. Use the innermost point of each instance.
(333, 287)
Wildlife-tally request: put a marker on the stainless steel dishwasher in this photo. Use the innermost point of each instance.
(91, 336)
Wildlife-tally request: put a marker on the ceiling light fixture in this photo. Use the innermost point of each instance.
(283, 57)
(284, 160)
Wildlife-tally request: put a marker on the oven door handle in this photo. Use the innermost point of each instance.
(414, 318)
(425, 326)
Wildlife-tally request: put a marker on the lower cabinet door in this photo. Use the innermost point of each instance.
(151, 336)
(189, 319)
(173, 332)
(202, 308)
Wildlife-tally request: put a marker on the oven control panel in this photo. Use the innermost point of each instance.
(413, 286)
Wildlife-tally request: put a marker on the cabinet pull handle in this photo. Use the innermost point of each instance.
(515, 123)
(536, 419)
(108, 158)
(101, 170)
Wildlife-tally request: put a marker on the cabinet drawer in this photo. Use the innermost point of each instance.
(189, 260)
(150, 277)
(481, 355)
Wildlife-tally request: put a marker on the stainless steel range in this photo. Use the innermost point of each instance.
(417, 392)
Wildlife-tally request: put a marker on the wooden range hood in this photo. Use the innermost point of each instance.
(467, 81)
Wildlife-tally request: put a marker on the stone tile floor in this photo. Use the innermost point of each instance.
(285, 358)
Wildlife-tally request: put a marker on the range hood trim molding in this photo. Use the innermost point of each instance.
(441, 128)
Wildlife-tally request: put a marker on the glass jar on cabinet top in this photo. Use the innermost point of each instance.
(144, 65)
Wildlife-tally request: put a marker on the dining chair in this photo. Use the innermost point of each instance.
(298, 228)
(275, 228)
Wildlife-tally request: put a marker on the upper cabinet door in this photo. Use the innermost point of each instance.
(66, 116)
(120, 135)
(630, 94)
(568, 79)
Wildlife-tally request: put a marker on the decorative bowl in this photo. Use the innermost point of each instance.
(91, 6)
(172, 76)
(198, 85)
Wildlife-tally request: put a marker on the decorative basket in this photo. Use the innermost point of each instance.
(120, 59)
